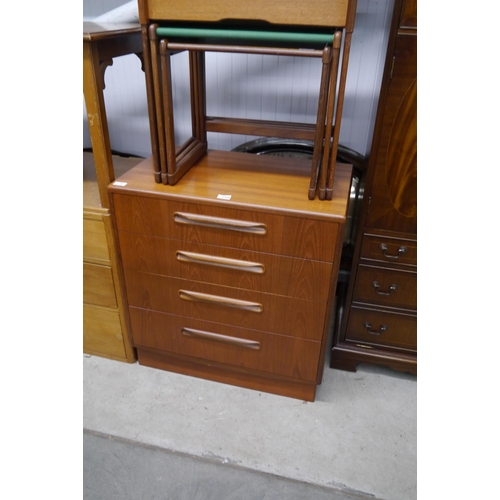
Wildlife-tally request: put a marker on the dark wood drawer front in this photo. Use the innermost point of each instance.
(382, 328)
(231, 306)
(386, 287)
(215, 225)
(299, 278)
(251, 349)
(390, 250)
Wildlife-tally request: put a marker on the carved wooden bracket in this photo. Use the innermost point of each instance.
(141, 57)
(102, 66)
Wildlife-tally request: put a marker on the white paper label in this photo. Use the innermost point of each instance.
(224, 196)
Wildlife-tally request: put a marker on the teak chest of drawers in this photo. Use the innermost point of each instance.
(230, 275)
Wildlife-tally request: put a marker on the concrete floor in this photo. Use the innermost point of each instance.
(210, 440)
(124, 470)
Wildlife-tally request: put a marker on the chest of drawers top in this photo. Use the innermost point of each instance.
(243, 181)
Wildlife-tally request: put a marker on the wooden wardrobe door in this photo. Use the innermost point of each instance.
(393, 204)
(408, 14)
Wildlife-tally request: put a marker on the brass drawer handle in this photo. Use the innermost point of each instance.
(221, 301)
(211, 260)
(392, 288)
(220, 223)
(224, 339)
(401, 251)
(368, 326)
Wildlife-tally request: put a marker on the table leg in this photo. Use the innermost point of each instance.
(93, 87)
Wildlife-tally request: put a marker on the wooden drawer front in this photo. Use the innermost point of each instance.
(263, 272)
(386, 287)
(231, 306)
(102, 332)
(392, 250)
(251, 349)
(324, 13)
(95, 244)
(98, 285)
(221, 226)
(382, 328)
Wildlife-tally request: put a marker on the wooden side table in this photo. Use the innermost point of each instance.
(105, 328)
(101, 43)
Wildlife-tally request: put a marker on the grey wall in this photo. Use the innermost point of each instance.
(252, 86)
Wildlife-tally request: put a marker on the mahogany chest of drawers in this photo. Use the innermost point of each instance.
(230, 275)
(381, 320)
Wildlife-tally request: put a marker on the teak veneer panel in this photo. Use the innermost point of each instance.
(278, 354)
(282, 315)
(291, 236)
(301, 278)
(241, 377)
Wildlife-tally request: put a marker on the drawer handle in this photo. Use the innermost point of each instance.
(392, 288)
(220, 223)
(401, 251)
(221, 301)
(224, 339)
(211, 260)
(383, 328)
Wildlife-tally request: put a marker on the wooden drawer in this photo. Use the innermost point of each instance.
(324, 13)
(239, 347)
(263, 272)
(102, 332)
(382, 328)
(95, 244)
(386, 287)
(228, 227)
(98, 288)
(232, 306)
(390, 250)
